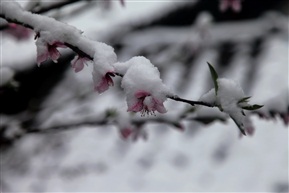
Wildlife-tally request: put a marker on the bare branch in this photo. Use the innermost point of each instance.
(193, 103)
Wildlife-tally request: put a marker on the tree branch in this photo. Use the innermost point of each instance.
(46, 9)
(193, 103)
(70, 45)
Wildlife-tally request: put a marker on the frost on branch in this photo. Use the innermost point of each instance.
(229, 97)
(145, 91)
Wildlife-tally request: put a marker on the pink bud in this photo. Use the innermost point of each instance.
(126, 132)
(78, 63)
(104, 83)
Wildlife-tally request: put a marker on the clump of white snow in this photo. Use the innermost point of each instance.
(143, 86)
(209, 97)
(122, 67)
(228, 98)
(229, 93)
(143, 75)
(104, 54)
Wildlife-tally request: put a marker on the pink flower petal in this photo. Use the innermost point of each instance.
(54, 54)
(78, 63)
(41, 58)
(141, 94)
(160, 108)
(137, 107)
(145, 103)
(104, 83)
(126, 132)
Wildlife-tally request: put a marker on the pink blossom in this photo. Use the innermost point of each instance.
(46, 50)
(101, 84)
(133, 133)
(234, 4)
(145, 103)
(126, 132)
(18, 31)
(78, 63)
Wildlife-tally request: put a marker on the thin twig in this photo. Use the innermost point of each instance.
(193, 103)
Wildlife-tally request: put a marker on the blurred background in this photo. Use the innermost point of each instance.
(58, 135)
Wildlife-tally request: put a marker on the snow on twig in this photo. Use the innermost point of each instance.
(145, 92)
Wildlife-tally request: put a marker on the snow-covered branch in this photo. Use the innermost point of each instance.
(35, 7)
(145, 92)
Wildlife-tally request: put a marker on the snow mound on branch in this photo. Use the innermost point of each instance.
(143, 75)
(209, 97)
(228, 96)
(122, 67)
(104, 54)
(103, 59)
(143, 86)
